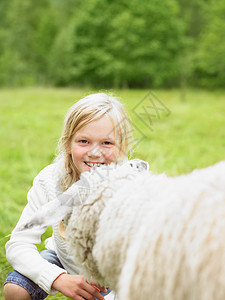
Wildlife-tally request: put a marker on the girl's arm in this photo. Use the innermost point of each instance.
(21, 250)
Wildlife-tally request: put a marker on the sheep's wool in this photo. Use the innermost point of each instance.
(152, 236)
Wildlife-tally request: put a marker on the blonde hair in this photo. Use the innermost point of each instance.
(82, 113)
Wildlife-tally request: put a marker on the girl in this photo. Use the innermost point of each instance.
(96, 131)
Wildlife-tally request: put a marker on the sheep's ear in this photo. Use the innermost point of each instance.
(145, 165)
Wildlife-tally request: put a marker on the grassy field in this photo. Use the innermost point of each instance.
(174, 135)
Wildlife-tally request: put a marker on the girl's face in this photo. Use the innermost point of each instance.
(93, 144)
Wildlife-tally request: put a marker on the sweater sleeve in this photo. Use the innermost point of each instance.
(21, 250)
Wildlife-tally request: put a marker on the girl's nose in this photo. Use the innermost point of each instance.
(95, 151)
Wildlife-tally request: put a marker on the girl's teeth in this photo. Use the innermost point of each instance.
(93, 165)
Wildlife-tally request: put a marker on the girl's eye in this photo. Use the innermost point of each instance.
(107, 143)
(83, 141)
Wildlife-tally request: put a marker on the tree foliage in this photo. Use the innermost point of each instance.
(120, 43)
(211, 64)
(111, 43)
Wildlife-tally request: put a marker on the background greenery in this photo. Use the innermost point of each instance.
(103, 43)
(184, 135)
(63, 50)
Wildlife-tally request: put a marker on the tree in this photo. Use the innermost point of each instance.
(210, 64)
(121, 43)
(29, 31)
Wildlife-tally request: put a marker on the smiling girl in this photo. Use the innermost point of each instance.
(93, 144)
(96, 131)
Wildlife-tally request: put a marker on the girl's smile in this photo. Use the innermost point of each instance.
(93, 144)
(93, 164)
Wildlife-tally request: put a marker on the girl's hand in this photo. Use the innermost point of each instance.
(103, 289)
(74, 286)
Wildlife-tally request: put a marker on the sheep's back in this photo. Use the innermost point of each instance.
(179, 252)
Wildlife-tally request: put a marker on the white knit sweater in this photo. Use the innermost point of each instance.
(21, 250)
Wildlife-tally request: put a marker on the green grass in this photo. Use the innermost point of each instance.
(191, 136)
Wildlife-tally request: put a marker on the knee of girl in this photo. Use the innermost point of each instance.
(15, 292)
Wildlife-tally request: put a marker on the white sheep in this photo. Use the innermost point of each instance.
(152, 236)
